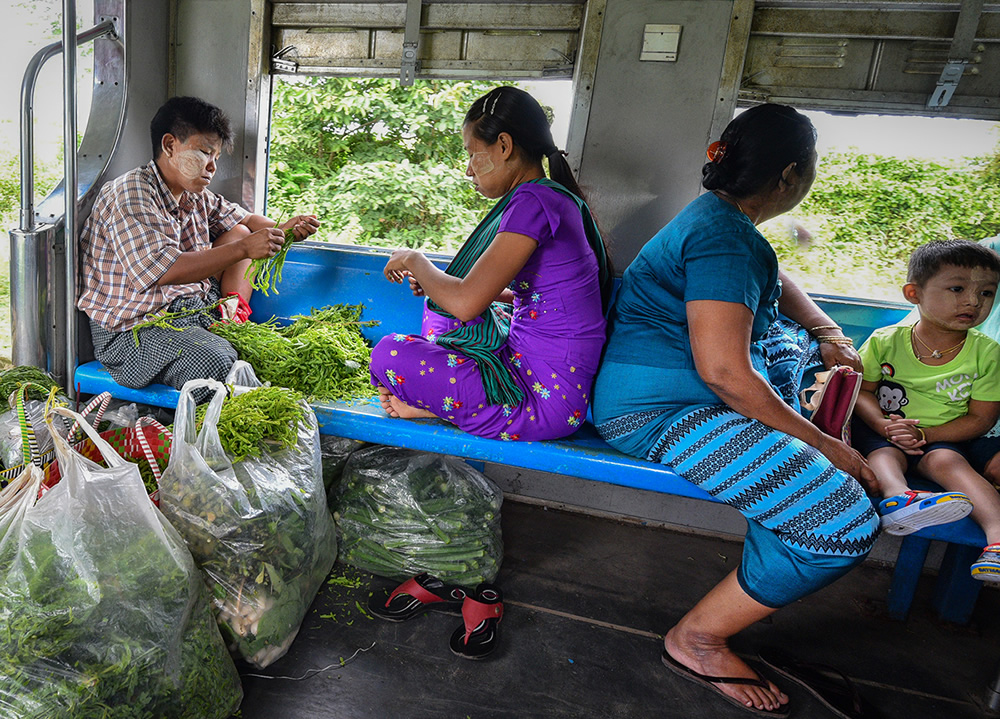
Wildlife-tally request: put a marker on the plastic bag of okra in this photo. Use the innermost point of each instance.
(400, 512)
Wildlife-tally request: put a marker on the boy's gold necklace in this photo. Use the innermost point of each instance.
(936, 354)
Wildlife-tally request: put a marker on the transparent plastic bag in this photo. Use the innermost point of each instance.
(103, 613)
(335, 452)
(401, 512)
(259, 529)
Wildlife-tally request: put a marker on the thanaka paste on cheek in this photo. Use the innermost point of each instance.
(481, 164)
(189, 163)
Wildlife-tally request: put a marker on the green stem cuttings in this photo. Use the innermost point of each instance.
(12, 379)
(165, 320)
(323, 354)
(264, 415)
(265, 273)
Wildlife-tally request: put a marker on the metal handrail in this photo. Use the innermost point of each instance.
(27, 115)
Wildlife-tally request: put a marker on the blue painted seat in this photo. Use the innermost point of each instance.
(316, 275)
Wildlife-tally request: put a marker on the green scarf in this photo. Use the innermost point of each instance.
(481, 341)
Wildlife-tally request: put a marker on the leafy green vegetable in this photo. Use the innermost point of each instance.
(265, 273)
(165, 319)
(12, 379)
(264, 414)
(108, 623)
(322, 355)
(261, 533)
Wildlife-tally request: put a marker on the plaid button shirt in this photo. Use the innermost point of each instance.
(134, 234)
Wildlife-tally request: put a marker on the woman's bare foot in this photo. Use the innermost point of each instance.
(713, 657)
(397, 408)
(384, 396)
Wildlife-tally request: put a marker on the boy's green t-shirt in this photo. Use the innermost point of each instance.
(934, 395)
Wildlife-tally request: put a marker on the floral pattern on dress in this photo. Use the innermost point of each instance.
(536, 297)
(393, 378)
(574, 419)
(455, 360)
(541, 390)
(402, 338)
(515, 359)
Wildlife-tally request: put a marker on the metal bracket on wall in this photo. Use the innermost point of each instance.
(411, 39)
(958, 53)
(283, 64)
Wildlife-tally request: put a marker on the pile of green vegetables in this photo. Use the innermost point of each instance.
(102, 643)
(12, 379)
(427, 515)
(323, 354)
(252, 420)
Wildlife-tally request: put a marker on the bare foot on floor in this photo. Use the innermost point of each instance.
(713, 657)
(397, 408)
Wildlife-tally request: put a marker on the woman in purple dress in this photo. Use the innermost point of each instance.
(513, 328)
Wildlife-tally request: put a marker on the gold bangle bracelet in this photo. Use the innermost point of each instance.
(813, 330)
(835, 340)
(922, 435)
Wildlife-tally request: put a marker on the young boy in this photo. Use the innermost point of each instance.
(158, 239)
(930, 391)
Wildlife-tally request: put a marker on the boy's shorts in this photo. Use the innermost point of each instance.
(977, 452)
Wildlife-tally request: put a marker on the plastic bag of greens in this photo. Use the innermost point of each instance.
(335, 452)
(259, 528)
(401, 512)
(102, 610)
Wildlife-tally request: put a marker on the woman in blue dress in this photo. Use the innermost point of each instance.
(685, 381)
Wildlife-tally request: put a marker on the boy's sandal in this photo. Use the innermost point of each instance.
(480, 631)
(987, 567)
(829, 685)
(417, 595)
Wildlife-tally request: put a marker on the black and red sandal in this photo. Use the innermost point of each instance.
(479, 634)
(417, 595)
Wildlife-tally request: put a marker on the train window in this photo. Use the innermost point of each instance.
(37, 24)
(380, 164)
(885, 185)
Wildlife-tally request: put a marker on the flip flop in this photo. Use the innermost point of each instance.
(829, 685)
(417, 595)
(710, 683)
(480, 630)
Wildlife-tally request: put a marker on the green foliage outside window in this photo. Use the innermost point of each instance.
(379, 164)
(867, 213)
(384, 165)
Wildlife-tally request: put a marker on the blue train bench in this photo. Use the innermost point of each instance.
(316, 274)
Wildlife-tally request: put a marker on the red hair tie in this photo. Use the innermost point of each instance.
(716, 151)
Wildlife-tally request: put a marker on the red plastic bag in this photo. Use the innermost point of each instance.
(834, 394)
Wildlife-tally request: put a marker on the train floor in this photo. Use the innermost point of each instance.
(586, 601)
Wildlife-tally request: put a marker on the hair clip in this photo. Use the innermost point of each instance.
(494, 105)
(716, 151)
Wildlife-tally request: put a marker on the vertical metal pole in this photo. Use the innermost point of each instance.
(71, 185)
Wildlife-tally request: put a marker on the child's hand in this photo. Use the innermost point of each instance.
(904, 434)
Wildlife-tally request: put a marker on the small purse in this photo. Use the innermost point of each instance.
(834, 393)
